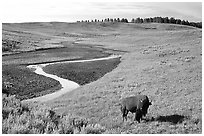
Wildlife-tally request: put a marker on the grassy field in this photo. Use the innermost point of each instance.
(83, 73)
(20, 81)
(162, 61)
(21, 118)
(26, 84)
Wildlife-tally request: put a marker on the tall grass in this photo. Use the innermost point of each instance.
(21, 118)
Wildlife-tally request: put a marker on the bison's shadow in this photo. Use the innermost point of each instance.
(175, 119)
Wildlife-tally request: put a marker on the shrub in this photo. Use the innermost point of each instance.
(93, 129)
(11, 105)
(40, 119)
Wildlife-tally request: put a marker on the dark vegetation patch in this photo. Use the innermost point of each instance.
(83, 73)
(80, 35)
(24, 83)
(44, 49)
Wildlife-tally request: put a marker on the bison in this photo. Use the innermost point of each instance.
(138, 104)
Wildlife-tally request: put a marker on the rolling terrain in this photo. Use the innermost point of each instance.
(162, 61)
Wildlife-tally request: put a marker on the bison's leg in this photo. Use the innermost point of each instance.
(144, 109)
(123, 117)
(138, 115)
(124, 114)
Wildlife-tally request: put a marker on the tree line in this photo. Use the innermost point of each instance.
(124, 20)
(171, 20)
(166, 20)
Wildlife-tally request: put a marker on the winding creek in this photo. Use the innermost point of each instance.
(66, 85)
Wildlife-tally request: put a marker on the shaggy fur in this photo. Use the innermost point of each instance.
(138, 104)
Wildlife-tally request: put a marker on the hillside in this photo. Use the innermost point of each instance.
(162, 61)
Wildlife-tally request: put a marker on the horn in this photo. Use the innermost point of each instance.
(150, 103)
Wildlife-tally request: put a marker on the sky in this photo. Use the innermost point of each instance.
(71, 11)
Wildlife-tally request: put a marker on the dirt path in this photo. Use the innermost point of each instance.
(67, 85)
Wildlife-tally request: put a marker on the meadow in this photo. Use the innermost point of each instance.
(162, 61)
(25, 84)
(22, 82)
(83, 73)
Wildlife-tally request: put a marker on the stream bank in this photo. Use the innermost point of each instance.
(67, 85)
